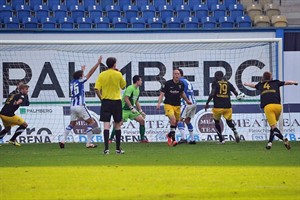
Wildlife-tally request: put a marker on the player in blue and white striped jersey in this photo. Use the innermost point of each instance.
(187, 111)
(77, 107)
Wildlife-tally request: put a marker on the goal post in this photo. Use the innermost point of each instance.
(47, 66)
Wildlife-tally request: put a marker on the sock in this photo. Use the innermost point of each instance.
(230, 124)
(142, 132)
(277, 132)
(118, 139)
(172, 132)
(181, 129)
(66, 133)
(2, 133)
(218, 127)
(106, 136)
(271, 138)
(112, 135)
(89, 134)
(191, 131)
(18, 132)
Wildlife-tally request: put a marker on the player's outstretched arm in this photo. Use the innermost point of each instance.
(249, 85)
(291, 83)
(90, 73)
(210, 97)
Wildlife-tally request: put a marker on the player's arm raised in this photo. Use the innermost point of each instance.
(290, 82)
(252, 85)
(90, 73)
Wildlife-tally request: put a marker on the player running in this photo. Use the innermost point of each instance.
(270, 101)
(78, 108)
(220, 94)
(172, 90)
(187, 111)
(8, 117)
(129, 100)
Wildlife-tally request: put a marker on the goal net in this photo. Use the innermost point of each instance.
(47, 67)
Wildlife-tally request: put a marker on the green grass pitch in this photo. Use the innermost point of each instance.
(151, 171)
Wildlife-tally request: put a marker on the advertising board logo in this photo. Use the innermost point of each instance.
(81, 125)
(205, 122)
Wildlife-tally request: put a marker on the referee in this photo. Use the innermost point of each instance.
(108, 87)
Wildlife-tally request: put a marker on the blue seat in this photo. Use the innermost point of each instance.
(141, 3)
(159, 3)
(173, 22)
(72, 3)
(88, 3)
(95, 11)
(226, 22)
(243, 21)
(33, 3)
(211, 2)
(14, 3)
(165, 12)
(52, 3)
(102, 22)
(113, 11)
(218, 10)
(227, 3)
(236, 10)
(191, 22)
(84, 23)
(30, 22)
(66, 23)
(130, 11)
(120, 22)
(148, 11)
(137, 22)
(105, 3)
(59, 11)
(194, 2)
(176, 3)
(123, 3)
(200, 11)
(5, 11)
(155, 22)
(77, 11)
(183, 11)
(41, 11)
(11, 23)
(48, 23)
(23, 11)
(208, 22)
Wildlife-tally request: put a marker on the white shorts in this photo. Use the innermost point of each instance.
(188, 111)
(79, 112)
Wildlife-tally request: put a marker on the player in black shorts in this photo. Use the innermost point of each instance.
(270, 101)
(173, 91)
(220, 93)
(8, 117)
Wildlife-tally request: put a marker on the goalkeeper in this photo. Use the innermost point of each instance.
(220, 94)
(129, 100)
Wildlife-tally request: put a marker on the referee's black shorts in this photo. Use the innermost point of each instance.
(111, 108)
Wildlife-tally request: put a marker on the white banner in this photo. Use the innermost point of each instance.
(47, 124)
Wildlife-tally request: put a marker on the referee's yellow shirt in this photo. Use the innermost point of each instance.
(110, 83)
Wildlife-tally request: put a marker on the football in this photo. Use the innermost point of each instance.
(240, 96)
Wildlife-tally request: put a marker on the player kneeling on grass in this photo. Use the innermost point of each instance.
(78, 108)
(270, 101)
(220, 93)
(8, 116)
(129, 100)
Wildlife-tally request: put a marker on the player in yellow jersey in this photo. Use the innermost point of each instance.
(270, 101)
(8, 116)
